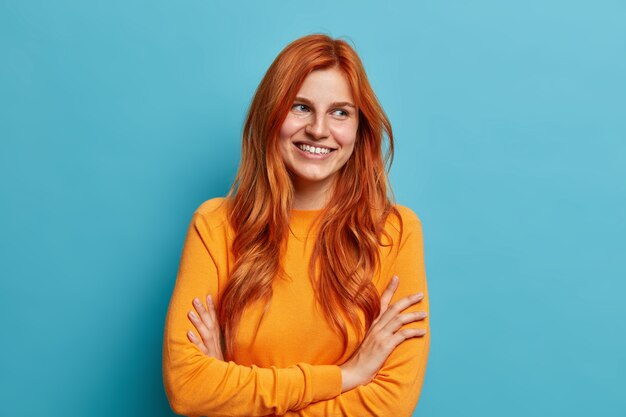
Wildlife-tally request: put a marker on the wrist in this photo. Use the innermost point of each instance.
(348, 379)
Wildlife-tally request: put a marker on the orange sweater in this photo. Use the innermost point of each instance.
(291, 365)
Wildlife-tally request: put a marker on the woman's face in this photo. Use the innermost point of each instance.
(318, 135)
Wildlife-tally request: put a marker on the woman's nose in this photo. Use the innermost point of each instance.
(318, 128)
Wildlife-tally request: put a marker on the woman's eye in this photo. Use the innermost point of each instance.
(300, 107)
(341, 113)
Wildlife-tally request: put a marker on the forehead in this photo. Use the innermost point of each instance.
(330, 84)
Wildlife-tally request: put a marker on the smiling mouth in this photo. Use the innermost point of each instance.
(315, 150)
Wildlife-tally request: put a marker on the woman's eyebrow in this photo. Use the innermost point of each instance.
(335, 104)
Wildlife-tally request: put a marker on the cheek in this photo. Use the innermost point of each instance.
(289, 128)
(345, 135)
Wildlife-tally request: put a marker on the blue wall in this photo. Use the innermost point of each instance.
(118, 118)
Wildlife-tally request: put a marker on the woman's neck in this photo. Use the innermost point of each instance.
(311, 196)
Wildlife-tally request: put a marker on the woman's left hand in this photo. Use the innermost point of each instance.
(207, 326)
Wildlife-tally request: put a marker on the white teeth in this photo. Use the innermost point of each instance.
(312, 149)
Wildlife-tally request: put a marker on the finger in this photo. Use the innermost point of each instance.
(203, 330)
(404, 334)
(402, 319)
(203, 313)
(399, 306)
(385, 298)
(212, 313)
(216, 327)
(207, 337)
(197, 341)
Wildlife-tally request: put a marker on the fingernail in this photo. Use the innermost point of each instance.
(210, 299)
(196, 301)
(190, 333)
(193, 315)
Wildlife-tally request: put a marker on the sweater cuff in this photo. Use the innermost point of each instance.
(326, 382)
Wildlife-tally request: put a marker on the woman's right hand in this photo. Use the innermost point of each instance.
(382, 338)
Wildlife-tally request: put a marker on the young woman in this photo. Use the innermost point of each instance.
(284, 302)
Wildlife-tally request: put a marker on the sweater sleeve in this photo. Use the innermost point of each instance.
(395, 391)
(196, 384)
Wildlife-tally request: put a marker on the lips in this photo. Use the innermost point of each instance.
(315, 145)
(314, 155)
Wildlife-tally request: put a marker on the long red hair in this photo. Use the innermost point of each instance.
(260, 200)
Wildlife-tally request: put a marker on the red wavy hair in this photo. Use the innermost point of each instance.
(260, 199)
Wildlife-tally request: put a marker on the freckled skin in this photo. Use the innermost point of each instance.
(321, 124)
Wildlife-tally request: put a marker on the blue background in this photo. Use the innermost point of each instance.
(118, 118)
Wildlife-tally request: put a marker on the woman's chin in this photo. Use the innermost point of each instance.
(311, 179)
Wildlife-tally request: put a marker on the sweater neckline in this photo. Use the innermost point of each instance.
(304, 222)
